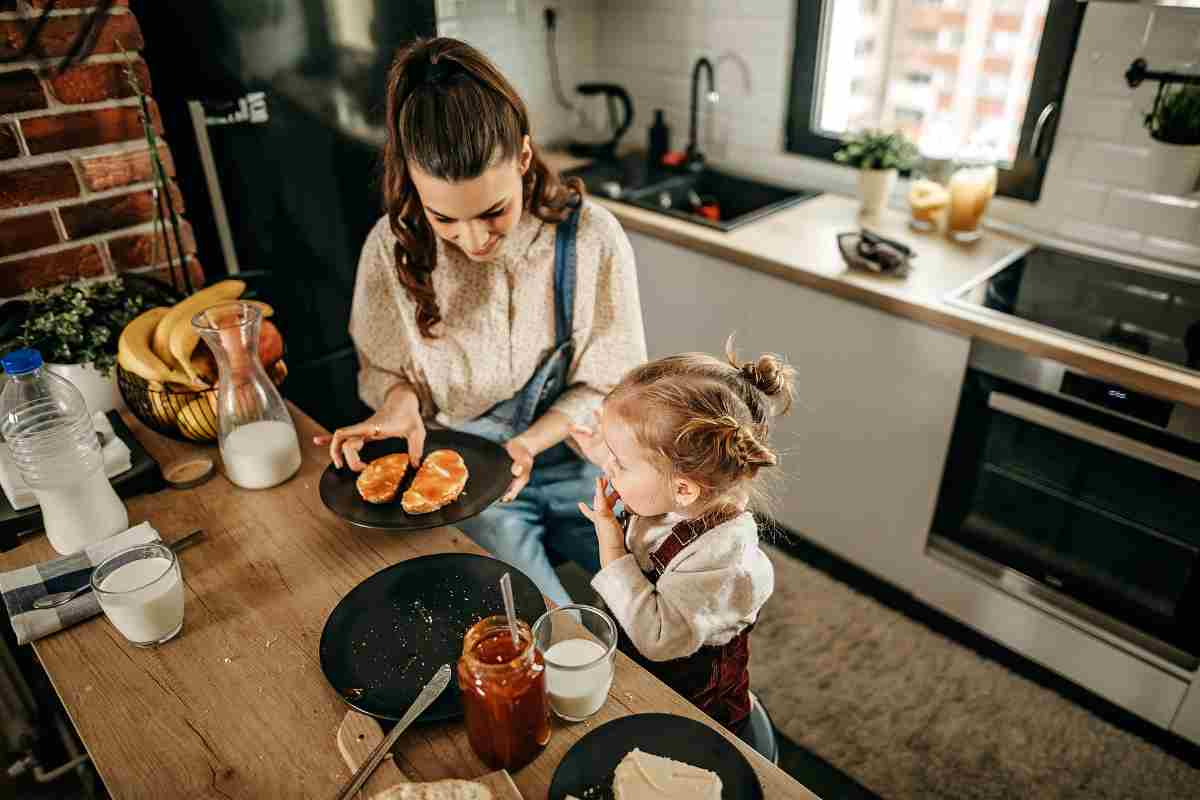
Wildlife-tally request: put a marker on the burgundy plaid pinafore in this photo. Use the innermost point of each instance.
(715, 678)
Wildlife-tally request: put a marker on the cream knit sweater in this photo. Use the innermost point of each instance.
(708, 594)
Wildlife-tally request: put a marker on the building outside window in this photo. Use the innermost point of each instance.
(999, 64)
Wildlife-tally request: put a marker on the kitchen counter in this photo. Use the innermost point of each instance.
(799, 244)
(237, 705)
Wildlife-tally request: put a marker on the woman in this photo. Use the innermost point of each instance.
(492, 299)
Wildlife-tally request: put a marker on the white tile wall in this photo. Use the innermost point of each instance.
(512, 33)
(1105, 181)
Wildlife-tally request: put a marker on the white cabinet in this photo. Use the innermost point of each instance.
(864, 446)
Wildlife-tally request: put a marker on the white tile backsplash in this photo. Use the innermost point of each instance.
(1175, 34)
(1112, 163)
(512, 33)
(1154, 215)
(1089, 115)
(1105, 181)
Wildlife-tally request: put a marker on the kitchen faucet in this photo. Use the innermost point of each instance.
(695, 159)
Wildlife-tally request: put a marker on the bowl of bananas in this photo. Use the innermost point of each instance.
(168, 376)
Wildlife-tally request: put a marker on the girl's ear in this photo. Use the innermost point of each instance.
(526, 156)
(686, 492)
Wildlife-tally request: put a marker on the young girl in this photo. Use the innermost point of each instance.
(683, 572)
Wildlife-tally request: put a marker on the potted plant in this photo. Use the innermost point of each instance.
(879, 158)
(76, 329)
(1175, 123)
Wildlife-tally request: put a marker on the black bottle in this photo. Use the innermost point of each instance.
(660, 140)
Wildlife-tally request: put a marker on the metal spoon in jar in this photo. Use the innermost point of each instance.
(61, 598)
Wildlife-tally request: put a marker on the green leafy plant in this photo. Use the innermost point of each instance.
(1175, 118)
(872, 149)
(81, 322)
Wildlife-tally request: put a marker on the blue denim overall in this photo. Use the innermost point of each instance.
(545, 515)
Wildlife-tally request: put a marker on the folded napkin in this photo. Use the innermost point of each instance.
(117, 459)
(21, 587)
(870, 251)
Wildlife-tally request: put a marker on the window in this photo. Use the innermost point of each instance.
(999, 66)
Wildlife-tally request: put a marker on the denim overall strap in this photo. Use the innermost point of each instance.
(564, 278)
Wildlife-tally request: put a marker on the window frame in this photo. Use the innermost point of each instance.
(1024, 179)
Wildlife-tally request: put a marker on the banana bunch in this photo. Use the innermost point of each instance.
(161, 347)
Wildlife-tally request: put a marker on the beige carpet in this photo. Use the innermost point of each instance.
(909, 713)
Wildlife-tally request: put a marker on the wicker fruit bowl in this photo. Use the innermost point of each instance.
(189, 415)
(167, 374)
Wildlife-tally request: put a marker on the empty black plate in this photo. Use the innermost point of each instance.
(587, 769)
(388, 636)
(489, 474)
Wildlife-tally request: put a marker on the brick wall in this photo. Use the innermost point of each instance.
(75, 174)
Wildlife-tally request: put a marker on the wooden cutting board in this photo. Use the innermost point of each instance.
(356, 738)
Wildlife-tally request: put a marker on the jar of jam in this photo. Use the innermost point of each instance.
(504, 694)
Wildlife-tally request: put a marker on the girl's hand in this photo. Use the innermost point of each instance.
(609, 535)
(399, 417)
(590, 441)
(522, 467)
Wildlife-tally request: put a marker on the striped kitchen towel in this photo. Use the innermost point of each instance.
(21, 587)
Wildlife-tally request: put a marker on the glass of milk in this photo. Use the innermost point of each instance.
(578, 644)
(141, 592)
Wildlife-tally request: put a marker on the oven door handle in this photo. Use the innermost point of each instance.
(1038, 415)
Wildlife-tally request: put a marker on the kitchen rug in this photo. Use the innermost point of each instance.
(909, 713)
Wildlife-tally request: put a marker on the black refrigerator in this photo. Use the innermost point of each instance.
(274, 113)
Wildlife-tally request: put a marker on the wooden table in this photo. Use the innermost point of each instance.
(236, 706)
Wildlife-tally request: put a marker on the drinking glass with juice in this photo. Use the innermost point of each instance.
(972, 187)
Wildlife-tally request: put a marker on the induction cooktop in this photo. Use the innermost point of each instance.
(1140, 311)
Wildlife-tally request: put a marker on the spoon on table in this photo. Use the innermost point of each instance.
(61, 598)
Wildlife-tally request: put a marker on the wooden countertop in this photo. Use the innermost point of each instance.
(799, 244)
(236, 705)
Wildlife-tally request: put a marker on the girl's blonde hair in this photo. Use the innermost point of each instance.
(707, 420)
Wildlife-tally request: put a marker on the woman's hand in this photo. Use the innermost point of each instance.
(522, 467)
(590, 440)
(609, 535)
(399, 417)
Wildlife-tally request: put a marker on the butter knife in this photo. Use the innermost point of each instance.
(431, 692)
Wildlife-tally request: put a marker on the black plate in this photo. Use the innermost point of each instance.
(388, 636)
(590, 763)
(488, 465)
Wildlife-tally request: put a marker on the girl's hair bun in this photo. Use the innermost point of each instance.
(768, 373)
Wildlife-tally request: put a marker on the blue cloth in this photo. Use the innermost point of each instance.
(545, 516)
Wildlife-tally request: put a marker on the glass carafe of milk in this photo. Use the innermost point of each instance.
(258, 439)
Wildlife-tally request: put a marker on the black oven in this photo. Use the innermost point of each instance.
(1080, 494)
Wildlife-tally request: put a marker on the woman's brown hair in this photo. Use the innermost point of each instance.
(707, 420)
(451, 113)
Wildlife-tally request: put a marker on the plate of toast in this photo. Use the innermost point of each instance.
(459, 476)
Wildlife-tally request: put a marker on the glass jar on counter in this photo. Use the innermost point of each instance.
(504, 694)
(972, 187)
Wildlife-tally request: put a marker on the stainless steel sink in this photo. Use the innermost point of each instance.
(709, 197)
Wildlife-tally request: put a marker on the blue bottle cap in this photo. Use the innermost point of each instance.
(18, 362)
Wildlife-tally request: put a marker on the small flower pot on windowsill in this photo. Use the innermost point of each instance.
(875, 187)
